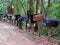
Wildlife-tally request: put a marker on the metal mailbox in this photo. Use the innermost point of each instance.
(50, 22)
(38, 18)
(16, 17)
(24, 18)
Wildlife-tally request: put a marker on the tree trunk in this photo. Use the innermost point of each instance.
(48, 6)
(42, 7)
(38, 12)
(31, 4)
(31, 15)
(9, 8)
(37, 6)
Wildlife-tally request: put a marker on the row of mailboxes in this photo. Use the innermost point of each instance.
(50, 22)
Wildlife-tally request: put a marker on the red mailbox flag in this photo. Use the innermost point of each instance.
(49, 21)
(37, 17)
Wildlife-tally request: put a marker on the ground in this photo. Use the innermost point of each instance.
(12, 35)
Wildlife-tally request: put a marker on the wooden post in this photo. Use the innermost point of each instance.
(31, 11)
(32, 28)
(39, 27)
(49, 33)
(26, 25)
(20, 24)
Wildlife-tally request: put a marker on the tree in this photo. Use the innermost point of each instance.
(10, 7)
(37, 6)
(20, 7)
(31, 13)
(48, 6)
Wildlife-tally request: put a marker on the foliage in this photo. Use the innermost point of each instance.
(3, 6)
(20, 7)
(54, 10)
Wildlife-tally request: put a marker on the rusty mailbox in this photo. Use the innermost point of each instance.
(38, 18)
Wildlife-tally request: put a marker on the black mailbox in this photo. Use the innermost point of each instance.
(50, 22)
(16, 17)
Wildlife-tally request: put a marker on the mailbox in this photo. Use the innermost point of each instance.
(9, 16)
(16, 17)
(50, 22)
(24, 18)
(38, 18)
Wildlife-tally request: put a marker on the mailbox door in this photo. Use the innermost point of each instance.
(16, 17)
(31, 18)
(52, 24)
(37, 18)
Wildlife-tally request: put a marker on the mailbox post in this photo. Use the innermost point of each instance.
(1, 16)
(50, 22)
(39, 19)
(16, 19)
(25, 18)
(31, 21)
(20, 23)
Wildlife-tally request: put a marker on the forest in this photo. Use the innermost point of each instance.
(47, 8)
